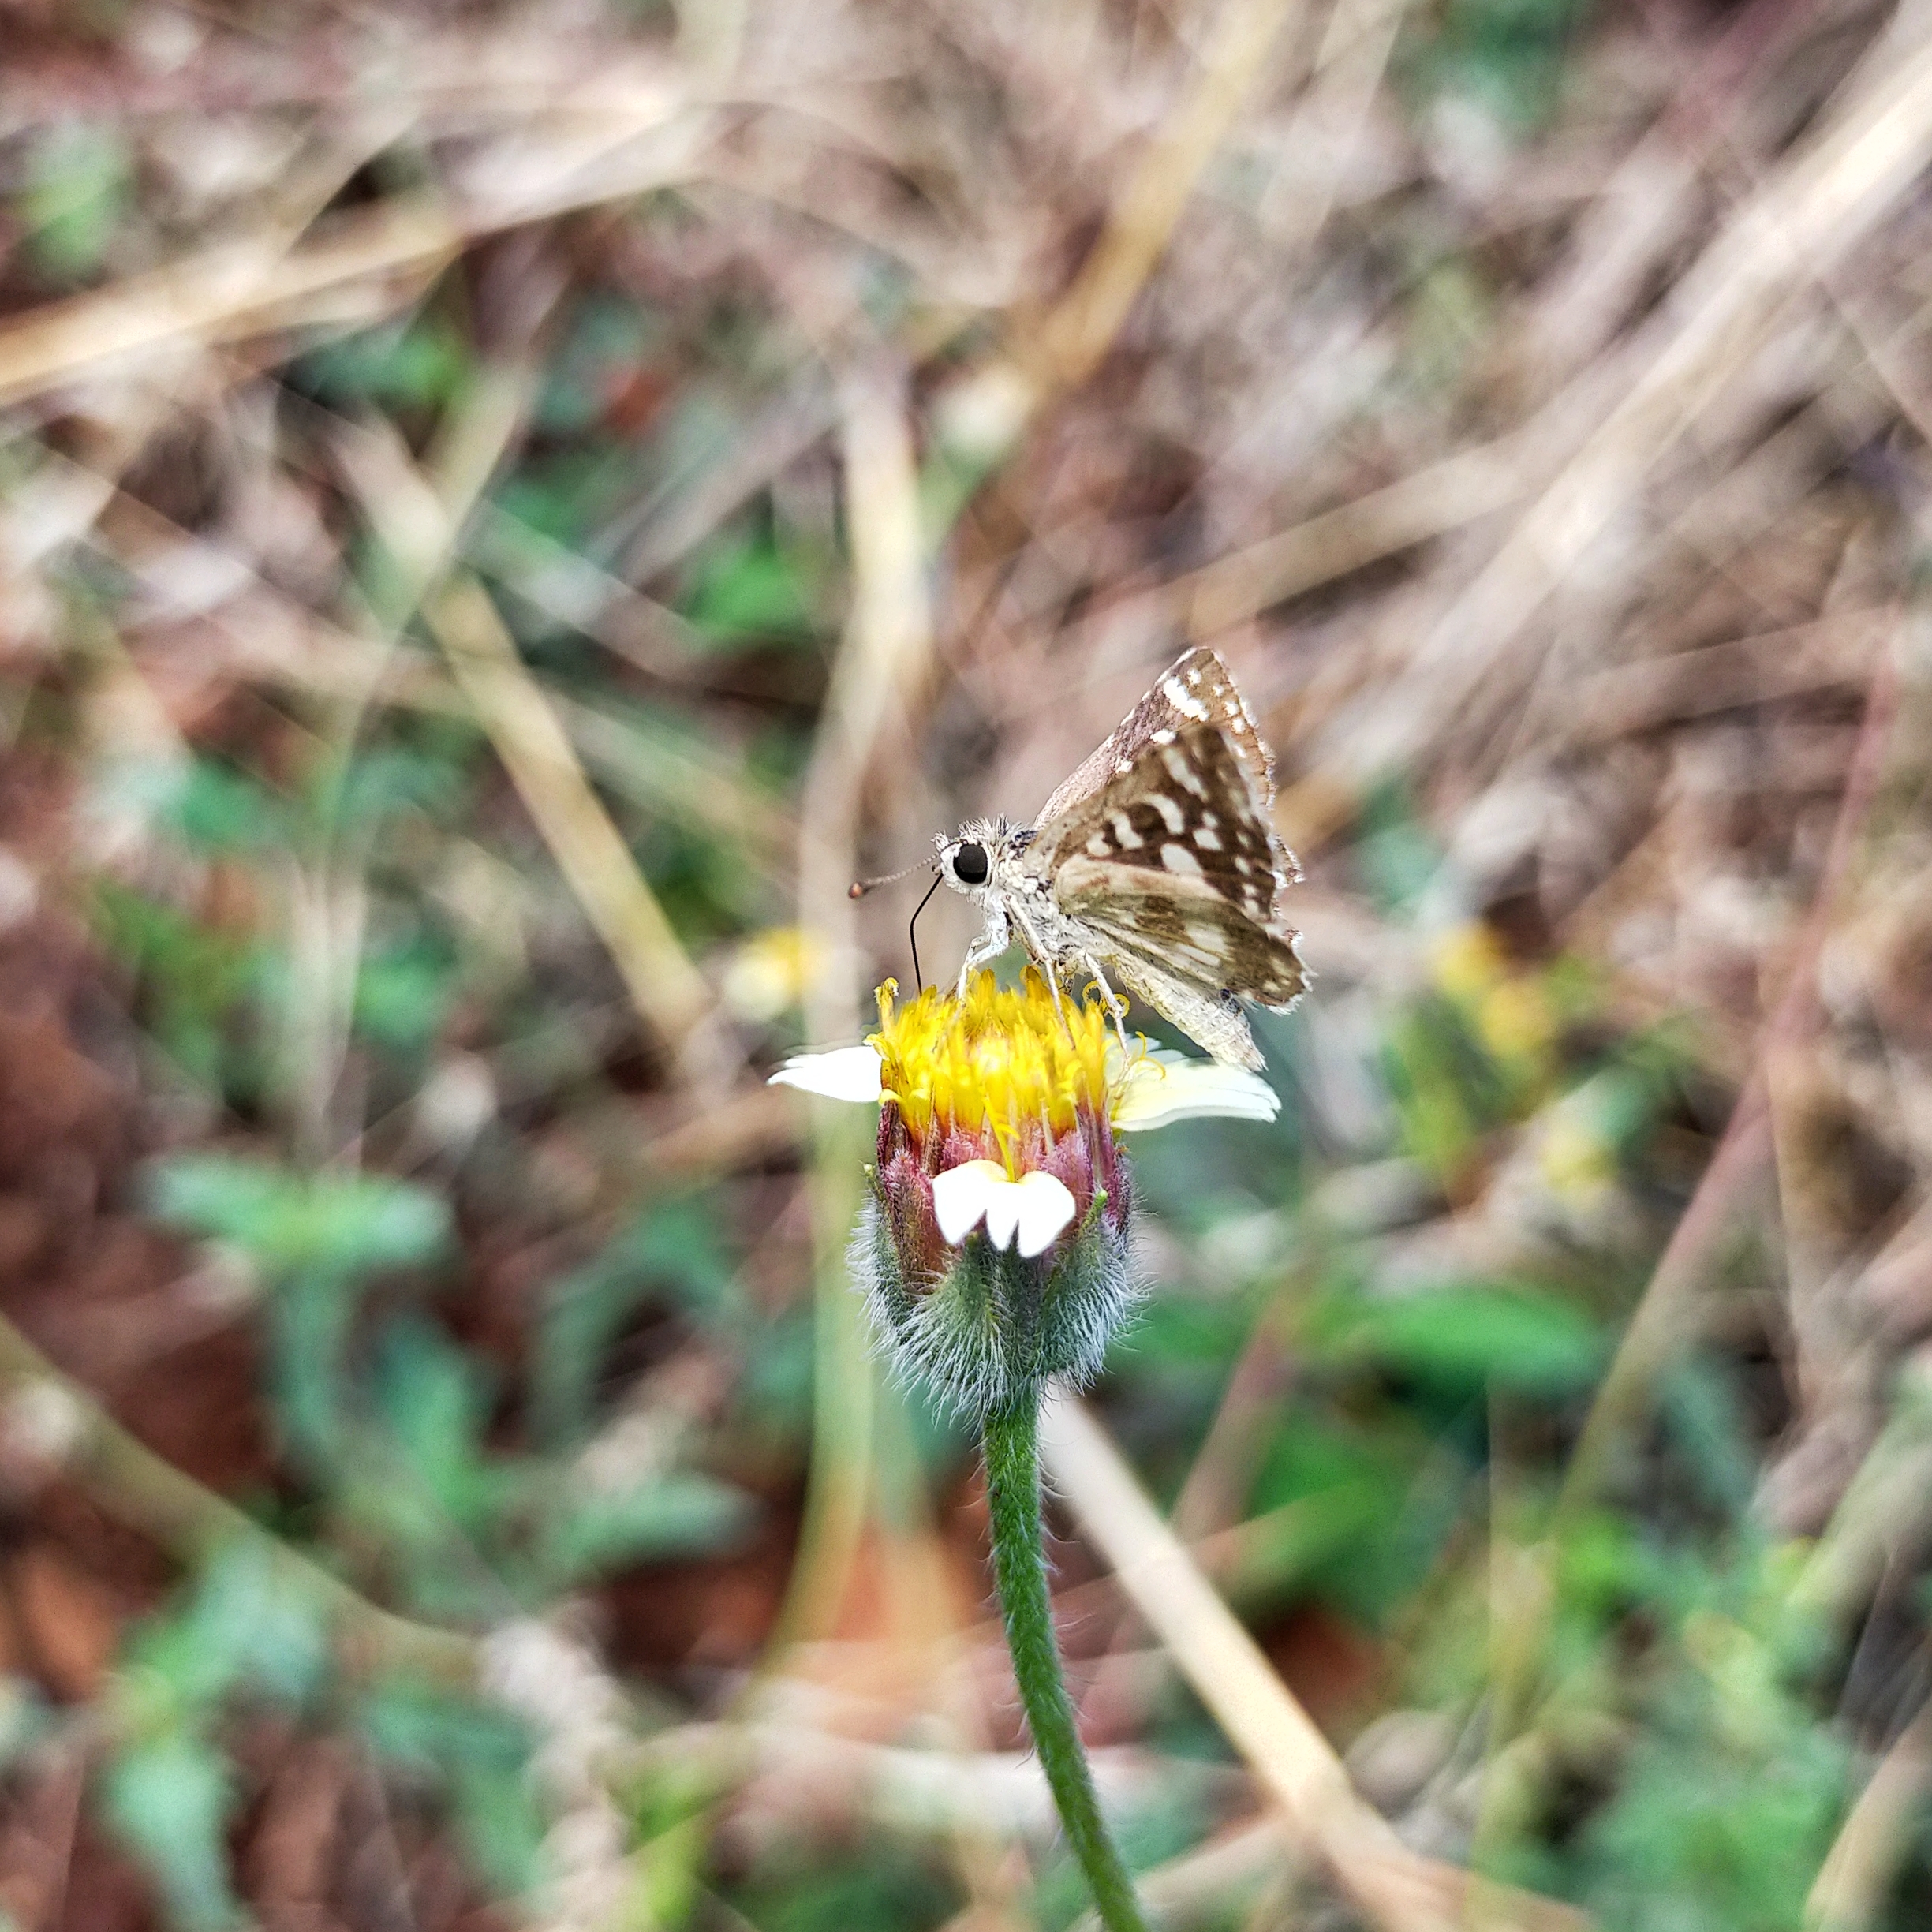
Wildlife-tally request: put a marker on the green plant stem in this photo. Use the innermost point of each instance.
(1012, 1448)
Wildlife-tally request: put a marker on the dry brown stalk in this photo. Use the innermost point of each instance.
(1087, 318)
(1842, 181)
(1654, 1324)
(1446, 496)
(354, 268)
(1716, 677)
(880, 668)
(1876, 1837)
(236, 290)
(669, 993)
(1399, 1889)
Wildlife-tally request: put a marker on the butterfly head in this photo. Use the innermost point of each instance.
(974, 859)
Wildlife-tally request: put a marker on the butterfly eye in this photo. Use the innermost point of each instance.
(970, 865)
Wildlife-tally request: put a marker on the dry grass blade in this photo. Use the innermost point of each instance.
(985, 413)
(1876, 1837)
(1398, 1889)
(65, 1432)
(247, 288)
(1445, 497)
(881, 665)
(668, 990)
(1654, 1326)
(1840, 183)
(1088, 317)
(236, 290)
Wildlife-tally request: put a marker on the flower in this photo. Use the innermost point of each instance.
(772, 972)
(994, 1247)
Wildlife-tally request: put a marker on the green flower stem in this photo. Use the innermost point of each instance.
(1012, 1447)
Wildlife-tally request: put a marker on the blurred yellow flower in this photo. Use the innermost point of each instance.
(771, 972)
(1511, 1011)
(1573, 1158)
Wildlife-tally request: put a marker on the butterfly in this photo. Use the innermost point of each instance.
(1156, 862)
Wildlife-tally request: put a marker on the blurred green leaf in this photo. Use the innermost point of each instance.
(23, 1717)
(884, 1886)
(342, 1224)
(423, 363)
(1443, 1084)
(395, 778)
(1467, 1338)
(478, 1756)
(672, 1250)
(748, 588)
(1396, 855)
(79, 190)
(218, 809)
(435, 1397)
(169, 1798)
(1702, 1837)
(247, 1623)
(403, 993)
(682, 1513)
(194, 978)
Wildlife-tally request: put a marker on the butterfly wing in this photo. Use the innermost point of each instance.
(1161, 850)
(1193, 721)
(1213, 1020)
(1190, 953)
(1196, 689)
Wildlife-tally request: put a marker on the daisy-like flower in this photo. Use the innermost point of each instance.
(995, 1248)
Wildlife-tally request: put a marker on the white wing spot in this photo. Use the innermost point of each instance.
(1169, 810)
(1183, 700)
(1178, 858)
(1183, 773)
(1207, 840)
(1124, 836)
(1097, 847)
(1125, 766)
(1164, 736)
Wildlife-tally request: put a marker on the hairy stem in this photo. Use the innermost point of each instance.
(1012, 1447)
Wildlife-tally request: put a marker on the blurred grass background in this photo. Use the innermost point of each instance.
(505, 510)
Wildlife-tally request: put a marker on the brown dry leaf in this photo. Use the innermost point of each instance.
(70, 1625)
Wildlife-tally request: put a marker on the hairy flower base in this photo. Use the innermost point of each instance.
(989, 1327)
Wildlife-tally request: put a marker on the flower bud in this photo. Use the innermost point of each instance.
(994, 1251)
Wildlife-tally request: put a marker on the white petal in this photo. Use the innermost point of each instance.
(1046, 1207)
(960, 1196)
(844, 1073)
(1004, 1201)
(1161, 1087)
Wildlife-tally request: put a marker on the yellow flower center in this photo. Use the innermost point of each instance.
(995, 1062)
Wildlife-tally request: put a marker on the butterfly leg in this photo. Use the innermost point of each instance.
(1116, 1006)
(1044, 957)
(990, 944)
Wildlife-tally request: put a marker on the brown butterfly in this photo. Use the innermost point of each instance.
(1157, 861)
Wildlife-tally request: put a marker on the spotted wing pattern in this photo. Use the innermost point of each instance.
(1162, 849)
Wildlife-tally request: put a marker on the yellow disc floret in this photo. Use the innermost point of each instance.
(996, 1063)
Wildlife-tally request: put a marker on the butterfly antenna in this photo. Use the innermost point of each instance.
(911, 933)
(859, 888)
